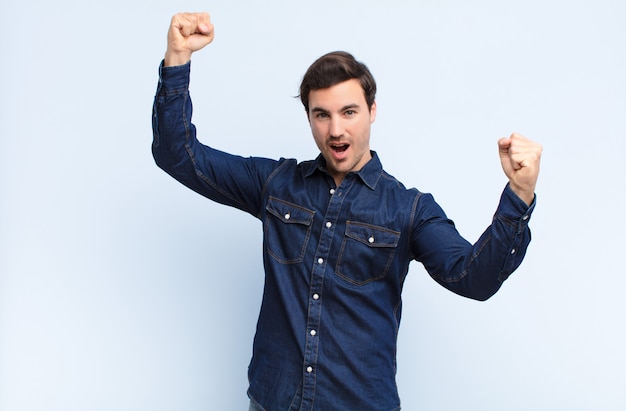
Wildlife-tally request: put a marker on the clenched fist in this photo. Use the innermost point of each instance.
(188, 33)
(520, 161)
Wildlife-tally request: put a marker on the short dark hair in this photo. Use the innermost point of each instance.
(334, 68)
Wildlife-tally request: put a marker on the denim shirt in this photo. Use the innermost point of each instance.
(335, 260)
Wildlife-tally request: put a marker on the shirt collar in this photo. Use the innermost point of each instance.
(369, 174)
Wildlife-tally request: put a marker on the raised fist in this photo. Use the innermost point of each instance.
(188, 33)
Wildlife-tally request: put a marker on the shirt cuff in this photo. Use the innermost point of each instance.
(513, 210)
(173, 79)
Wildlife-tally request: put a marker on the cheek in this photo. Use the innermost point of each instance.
(364, 134)
(318, 134)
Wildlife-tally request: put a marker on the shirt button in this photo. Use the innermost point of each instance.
(313, 332)
(287, 216)
(371, 240)
(332, 191)
(513, 251)
(320, 261)
(316, 296)
(329, 224)
(309, 369)
(525, 217)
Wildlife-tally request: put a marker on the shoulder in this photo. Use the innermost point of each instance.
(420, 202)
(389, 182)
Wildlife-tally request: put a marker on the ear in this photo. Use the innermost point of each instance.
(373, 113)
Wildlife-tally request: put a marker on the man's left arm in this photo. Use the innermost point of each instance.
(478, 270)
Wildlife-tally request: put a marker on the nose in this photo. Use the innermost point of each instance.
(336, 127)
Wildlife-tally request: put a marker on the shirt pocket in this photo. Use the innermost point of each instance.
(366, 253)
(287, 230)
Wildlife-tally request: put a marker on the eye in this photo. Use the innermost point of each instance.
(350, 113)
(321, 114)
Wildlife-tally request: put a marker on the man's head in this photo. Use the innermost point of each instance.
(338, 95)
(334, 68)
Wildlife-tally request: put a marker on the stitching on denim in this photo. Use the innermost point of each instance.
(267, 182)
(473, 258)
(279, 259)
(309, 213)
(172, 92)
(155, 122)
(508, 222)
(192, 158)
(375, 228)
(241, 205)
(391, 178)
(308, 224)
(397, 331)
(295, 395)
(315, 360)
(371, 279)
(412, 222)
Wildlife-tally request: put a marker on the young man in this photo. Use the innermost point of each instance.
(339, 233)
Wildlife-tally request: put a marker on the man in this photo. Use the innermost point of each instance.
(339, 233)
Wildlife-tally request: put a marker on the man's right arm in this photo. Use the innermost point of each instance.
(222, 177)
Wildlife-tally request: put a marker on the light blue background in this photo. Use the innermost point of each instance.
(122, 290)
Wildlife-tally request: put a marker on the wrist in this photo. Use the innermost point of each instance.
(173, 58)
(527, 196)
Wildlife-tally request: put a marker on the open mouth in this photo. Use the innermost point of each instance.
(339, 148)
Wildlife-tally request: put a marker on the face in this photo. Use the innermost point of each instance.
(340, 121)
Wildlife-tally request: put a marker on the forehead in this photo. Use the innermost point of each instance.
(349, 92)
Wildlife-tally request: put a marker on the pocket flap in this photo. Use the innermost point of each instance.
(371, 235)
(288, 212)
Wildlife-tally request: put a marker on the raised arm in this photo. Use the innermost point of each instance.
(478, 270)
(226, 178)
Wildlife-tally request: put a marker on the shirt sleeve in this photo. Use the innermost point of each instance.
(472, 270)
(228, 179)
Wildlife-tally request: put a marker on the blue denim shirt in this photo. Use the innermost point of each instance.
(335, 260)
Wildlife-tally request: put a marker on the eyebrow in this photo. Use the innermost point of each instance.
(344, 108)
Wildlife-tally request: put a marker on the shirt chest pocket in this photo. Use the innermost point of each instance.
(366, 252)
(287, 230)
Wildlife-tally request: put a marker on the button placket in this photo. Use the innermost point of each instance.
(315, 302)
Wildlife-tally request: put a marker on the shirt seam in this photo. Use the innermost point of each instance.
(192, 158)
